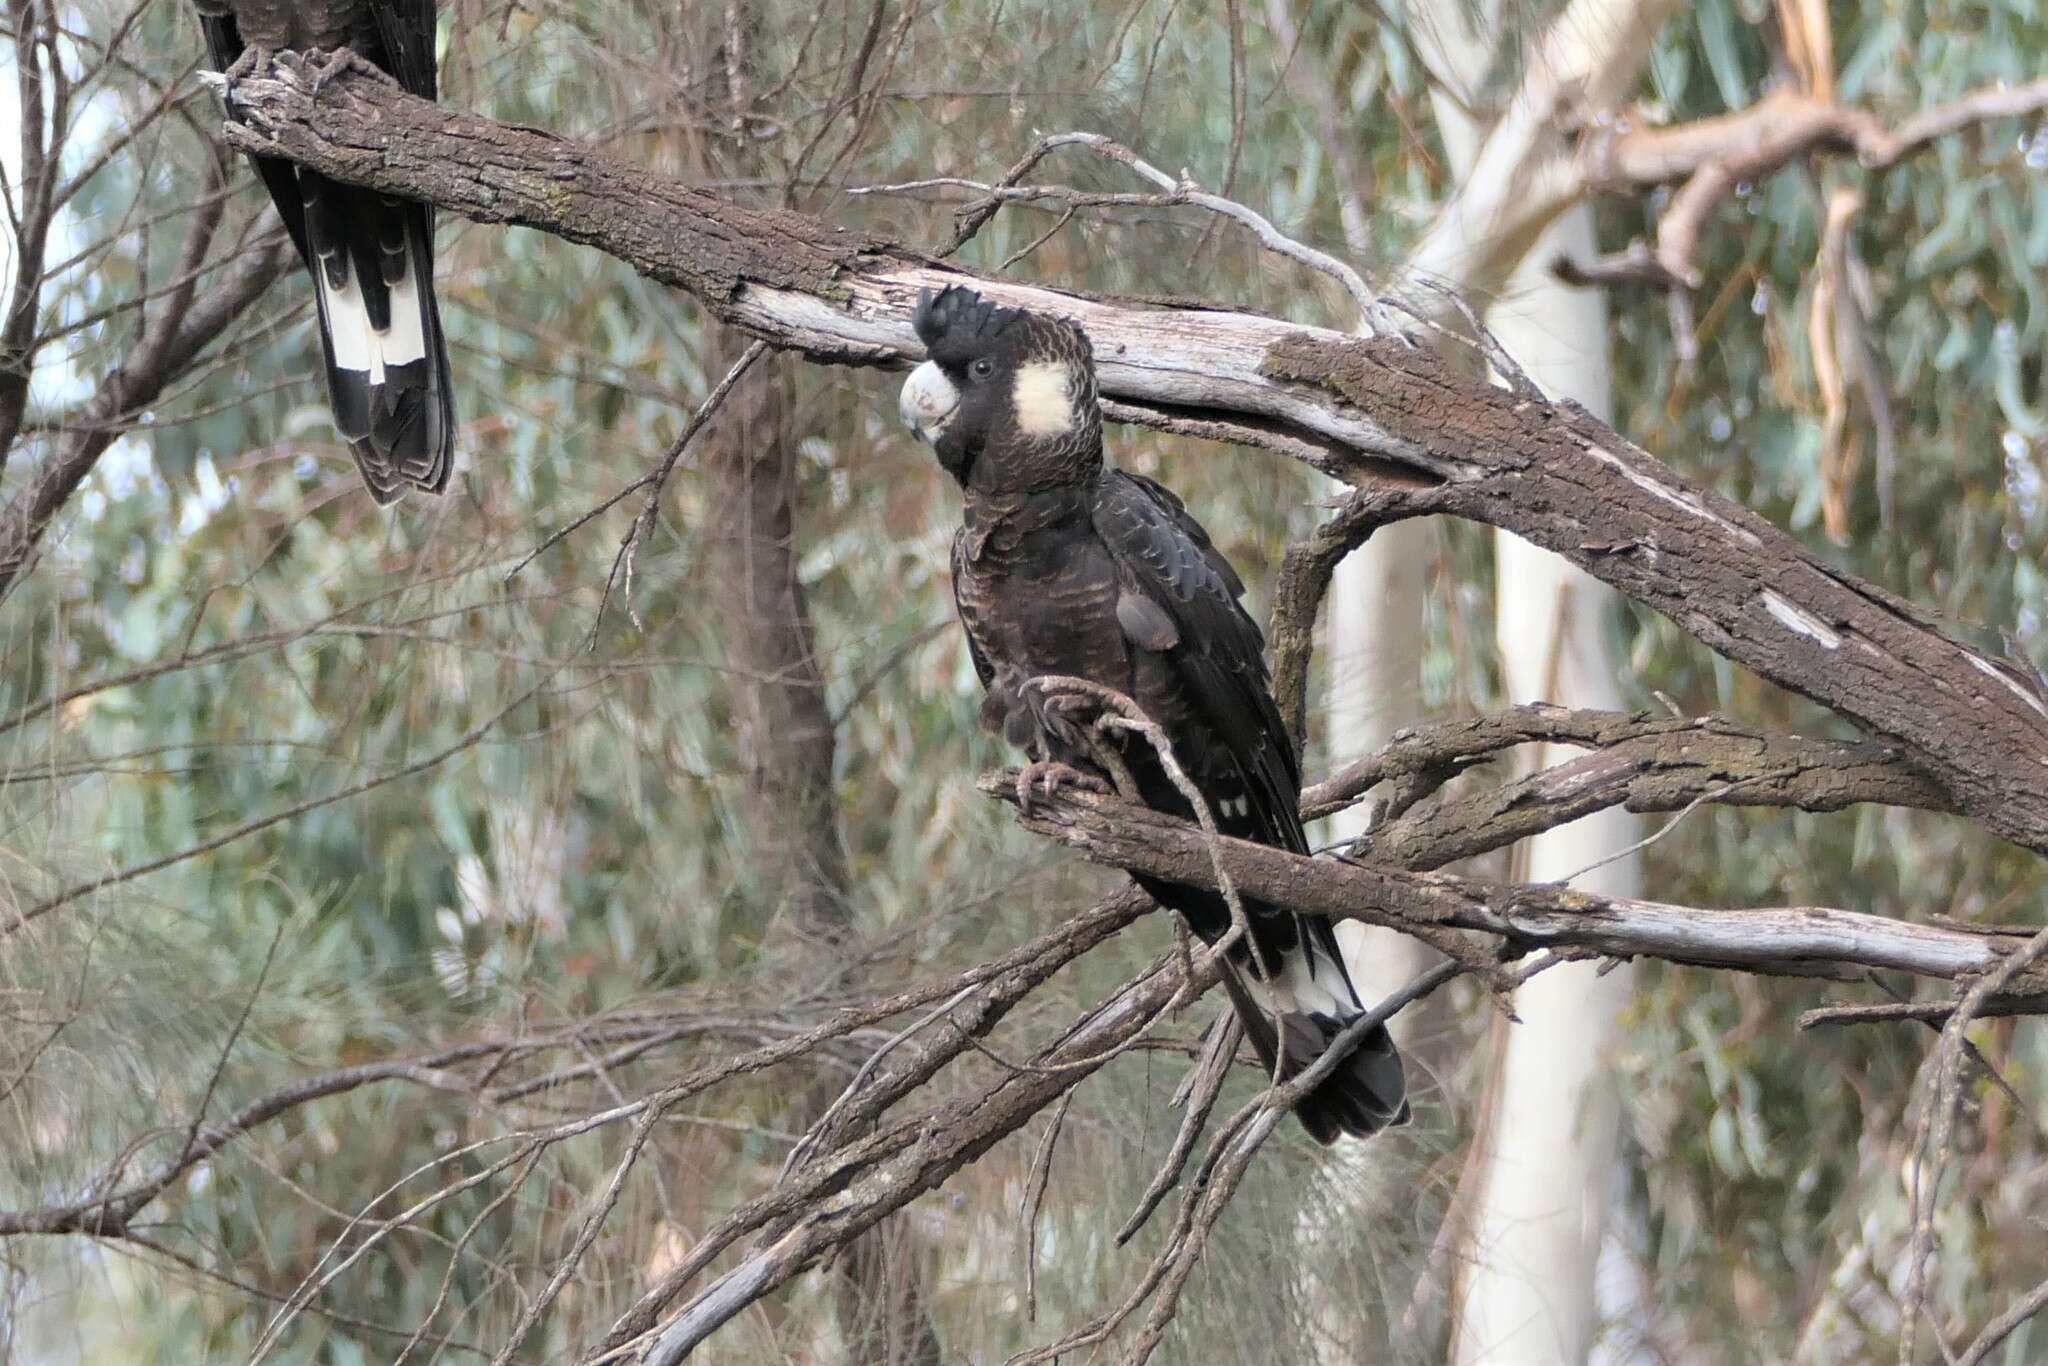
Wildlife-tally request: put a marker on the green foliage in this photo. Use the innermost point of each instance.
(580, 856)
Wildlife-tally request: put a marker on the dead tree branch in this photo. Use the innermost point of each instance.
(1643, 763)
(1712, 156)
(1546, 472)
(880, 1175)
(1803, 941)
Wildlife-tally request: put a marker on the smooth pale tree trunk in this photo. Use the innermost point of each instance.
(1527, 1225)
(1375, 641)
(1541, 1179)
(1375, 645)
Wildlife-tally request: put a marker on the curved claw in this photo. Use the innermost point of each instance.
(340, 60)
(1047, 777)
(1067, 703)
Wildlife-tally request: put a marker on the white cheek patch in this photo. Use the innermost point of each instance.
(1044, 399)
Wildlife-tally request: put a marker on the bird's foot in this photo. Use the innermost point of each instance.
(333, 64)
(1070, 704)
(247, 63)
(1046, 777)
(251, 60)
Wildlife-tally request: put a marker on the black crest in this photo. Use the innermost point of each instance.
(958, 314)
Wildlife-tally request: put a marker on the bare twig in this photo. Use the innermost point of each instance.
(643, 525)
(1204, 1083)
(2004, 1326)
(1174, 191)
(654, 481)
(1918, 1012)
(1034, 1198)
(1704, 798)
(1941, 1098)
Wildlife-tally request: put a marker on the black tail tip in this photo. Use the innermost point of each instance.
(1367, 1093)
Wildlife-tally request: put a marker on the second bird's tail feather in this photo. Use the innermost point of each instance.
(386, 359)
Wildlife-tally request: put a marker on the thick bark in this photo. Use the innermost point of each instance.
(1551, 473)
(1559, 477)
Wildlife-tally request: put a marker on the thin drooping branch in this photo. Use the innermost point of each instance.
(1712, 156)
(1546, 472)
(1801, 941)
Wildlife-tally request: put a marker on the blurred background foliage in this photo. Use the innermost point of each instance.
(226, 629)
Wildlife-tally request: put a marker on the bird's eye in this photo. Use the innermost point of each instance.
(982, 368)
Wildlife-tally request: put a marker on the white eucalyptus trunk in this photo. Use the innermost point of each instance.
(1541, 1182)
(1374, 646)
(1527, 1225)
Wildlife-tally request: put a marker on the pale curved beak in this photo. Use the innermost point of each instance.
(928, 401)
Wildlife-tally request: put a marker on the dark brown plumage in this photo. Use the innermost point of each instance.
(371, 256)
(1063, 566)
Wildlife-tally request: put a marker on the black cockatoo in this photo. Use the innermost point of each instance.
(371, 256)
(1064, 566)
